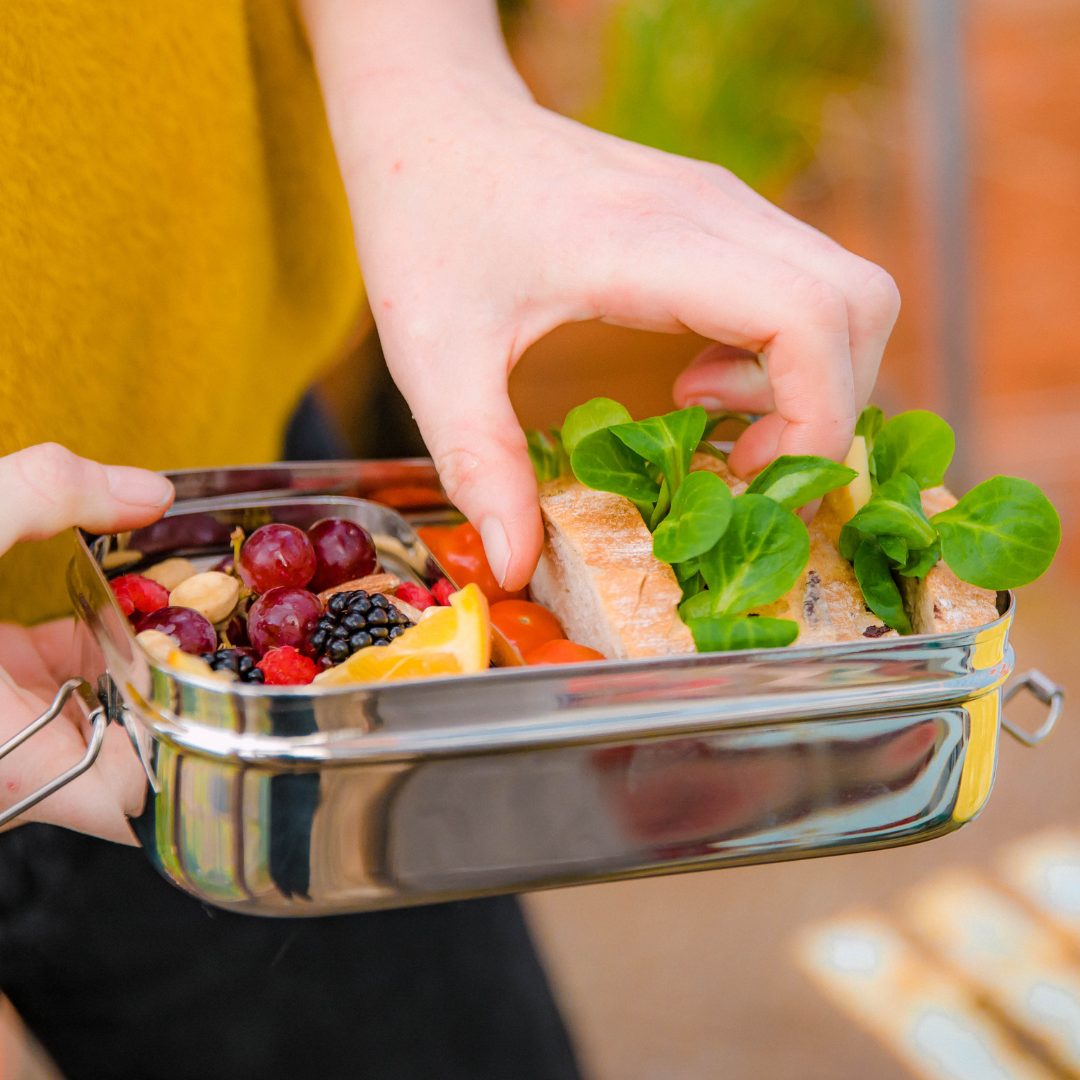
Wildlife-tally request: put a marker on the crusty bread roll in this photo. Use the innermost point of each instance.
(826, 601)
(941, 602)
(600, 579)
(828, 604)
(709, 463)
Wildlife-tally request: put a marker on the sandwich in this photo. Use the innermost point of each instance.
(631, 568)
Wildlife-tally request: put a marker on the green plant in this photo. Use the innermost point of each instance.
(1003, 533)
(738, 82)
(729, 554)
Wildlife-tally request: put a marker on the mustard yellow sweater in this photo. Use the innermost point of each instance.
(176, 258)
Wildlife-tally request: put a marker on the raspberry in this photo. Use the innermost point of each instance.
(137, 593)
(441, 590)
(286, 667)
(416, 595)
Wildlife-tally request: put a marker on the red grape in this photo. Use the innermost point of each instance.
(283, 617)
(190, 630)
(343, 552)
(236, 631)
(277, 556)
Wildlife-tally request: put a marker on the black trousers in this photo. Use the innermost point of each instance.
(122, 976)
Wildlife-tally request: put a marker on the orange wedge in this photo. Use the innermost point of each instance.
(454, 640)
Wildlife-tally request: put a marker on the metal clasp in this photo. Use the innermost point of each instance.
(1048, 692)
(98, 717)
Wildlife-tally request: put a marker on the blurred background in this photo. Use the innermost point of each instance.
(942, 141)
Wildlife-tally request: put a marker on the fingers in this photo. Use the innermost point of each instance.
(869, 293)
(762, 304)
(46, 489)
(87, 804)
(479, 449)
(722, 377)
(54, 644)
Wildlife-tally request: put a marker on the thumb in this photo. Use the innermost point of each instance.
(46, 489)
(479, 449)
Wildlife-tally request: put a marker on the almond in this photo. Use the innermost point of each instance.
(411, 613)
(156, 644)
(171, 572)
(373, 583)
(212, 594)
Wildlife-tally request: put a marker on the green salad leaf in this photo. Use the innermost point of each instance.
(668, 442)
(896, 548)
(730, 555)
(700, 513)
(722, 633)
(697, 606)
(917, 443)
(605, 463)
(1003, 533)
(546, 453)
(895, 509)
(794, 481)
(869, 424)
(593, 416)
(713, 451)
(688, 575)
(759, 558)
(850, 539)
(879, 589)
(920, 563)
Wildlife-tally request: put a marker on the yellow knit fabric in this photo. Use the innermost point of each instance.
(176, 257)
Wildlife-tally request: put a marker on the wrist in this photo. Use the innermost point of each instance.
(374, 50)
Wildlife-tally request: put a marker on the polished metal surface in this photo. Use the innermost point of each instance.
(304, 801)
(1044, 690)
(98, 722)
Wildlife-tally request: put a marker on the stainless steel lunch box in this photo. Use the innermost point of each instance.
(301, 802)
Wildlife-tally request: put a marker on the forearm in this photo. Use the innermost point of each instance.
(361, 45)
(483, 221)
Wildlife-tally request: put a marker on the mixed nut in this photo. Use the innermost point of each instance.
(286, 606)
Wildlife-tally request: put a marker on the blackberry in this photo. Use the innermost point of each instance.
(355, 620)
(241, 662)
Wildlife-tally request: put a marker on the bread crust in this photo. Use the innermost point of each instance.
(598, 576)
(826, 601)
(941, 602)
(709, 463)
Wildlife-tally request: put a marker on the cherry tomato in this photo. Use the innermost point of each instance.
(408, 497)
(562, 652)
(461, 552)
(525, 625)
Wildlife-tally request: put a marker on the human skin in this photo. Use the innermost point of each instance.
(483, 221)
(44, 490)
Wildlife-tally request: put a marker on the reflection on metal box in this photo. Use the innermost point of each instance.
(302, 801)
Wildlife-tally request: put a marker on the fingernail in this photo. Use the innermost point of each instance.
(705, 402)
(496, 546)
(138, 487)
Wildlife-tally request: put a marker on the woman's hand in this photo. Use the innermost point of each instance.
(483, 221)
(45, 490)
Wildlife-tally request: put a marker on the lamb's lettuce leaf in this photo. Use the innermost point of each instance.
(700, 513)
(1003, 533)
(918, 443)
(723, 633)
(759, 558)
(794, 481)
